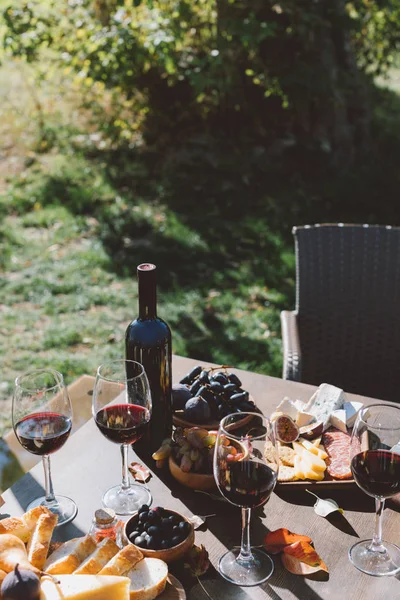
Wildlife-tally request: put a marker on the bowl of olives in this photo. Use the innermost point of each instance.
(159, 533)
(206, 395)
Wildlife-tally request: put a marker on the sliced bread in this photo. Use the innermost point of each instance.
(122, 562)
(22, 527)
(148, 579)
(98, 559)
(38, 545)
(69, 556)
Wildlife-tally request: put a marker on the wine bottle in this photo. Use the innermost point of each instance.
(148, 341)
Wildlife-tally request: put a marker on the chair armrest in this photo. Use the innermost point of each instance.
(291, 346)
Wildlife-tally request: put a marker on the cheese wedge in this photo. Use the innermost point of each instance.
(287, 407)
(352, 409)
(326, 399)
(85, 587)
(70, 555)
(298, 468)
(98, 559)
(338, 420)
(148, 579)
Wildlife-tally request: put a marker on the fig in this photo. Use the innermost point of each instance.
(312, 431)
(180, 395)
(20, 584)
(197, 410)
(286, 430)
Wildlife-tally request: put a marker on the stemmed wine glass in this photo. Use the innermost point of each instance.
(121, 409)
(42, 421)
(245, 470)
(375, 464)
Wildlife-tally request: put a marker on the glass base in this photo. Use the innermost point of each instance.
(371, 562)
(63, 507)
(254, 571)
(127, 502)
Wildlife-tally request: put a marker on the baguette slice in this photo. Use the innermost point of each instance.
(69, 556)
(148, 579)
(22, 527)
(98, 559)
(38, 545)
(122, 562)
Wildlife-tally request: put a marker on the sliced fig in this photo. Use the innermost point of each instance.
(286, 430)
(312, 431)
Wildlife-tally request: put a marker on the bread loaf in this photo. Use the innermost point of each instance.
(122, 562)
(38, 545)
(148, 579)
(22, 527)
(70, 555)
(98, 559)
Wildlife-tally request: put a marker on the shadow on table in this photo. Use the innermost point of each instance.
(352, 498)
(27, 489)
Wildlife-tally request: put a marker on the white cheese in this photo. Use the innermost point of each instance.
(396, 448)
(85, 587)
(304, 418)
(338, 420)
(327, 399)
(352, 409)
(299, 404)
(288, 408)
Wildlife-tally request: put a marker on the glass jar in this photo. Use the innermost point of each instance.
(106, 524)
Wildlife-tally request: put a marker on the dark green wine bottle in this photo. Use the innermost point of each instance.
(148, 341)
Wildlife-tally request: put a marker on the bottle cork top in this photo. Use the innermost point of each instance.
(104, 515)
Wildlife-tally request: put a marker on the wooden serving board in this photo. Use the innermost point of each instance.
(327, 484)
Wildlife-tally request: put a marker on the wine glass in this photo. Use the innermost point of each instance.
(245, 470)
(121, 409)
(42, 422)
(375, 464)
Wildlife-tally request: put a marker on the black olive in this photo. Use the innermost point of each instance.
(141, 542)
(164, 544)
(143, 516)
(144, 508)
(154, 531)
(176, 540)
(132, 536)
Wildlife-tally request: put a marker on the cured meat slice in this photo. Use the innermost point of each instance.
(337, 446)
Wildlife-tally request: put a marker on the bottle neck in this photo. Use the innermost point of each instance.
(147, 296)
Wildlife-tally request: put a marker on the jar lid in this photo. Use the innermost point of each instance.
(104, 515)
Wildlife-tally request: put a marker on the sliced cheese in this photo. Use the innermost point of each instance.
(311, 474)
(148, 579)
(327, 399)
(298, 467)
(85, 587)
(287, 407)
(338, 420)
(315, 463)
(314, 450)
(299, 404)
(352, 409)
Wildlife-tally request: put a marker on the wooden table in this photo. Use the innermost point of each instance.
(89, 464)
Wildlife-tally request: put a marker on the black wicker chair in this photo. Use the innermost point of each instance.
(346, 326)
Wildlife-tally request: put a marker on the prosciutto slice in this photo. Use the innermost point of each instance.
(337, 447)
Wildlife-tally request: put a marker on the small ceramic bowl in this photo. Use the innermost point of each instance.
(169, 554)
(195, 481)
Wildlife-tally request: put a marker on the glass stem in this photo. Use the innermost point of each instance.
(245, 549)
(125, 473)
(376, 544)
(50, 497)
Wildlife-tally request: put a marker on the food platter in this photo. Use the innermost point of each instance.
(327, 484)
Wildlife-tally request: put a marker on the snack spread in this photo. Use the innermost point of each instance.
(79, 569)
(313, 437)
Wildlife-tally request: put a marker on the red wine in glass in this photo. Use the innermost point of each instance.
(123, 423)
(377, 472)
(43, 433)
(247, 484)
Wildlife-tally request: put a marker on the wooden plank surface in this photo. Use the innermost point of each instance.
(88, 464)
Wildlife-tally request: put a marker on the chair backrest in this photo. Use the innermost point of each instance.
(347, 301)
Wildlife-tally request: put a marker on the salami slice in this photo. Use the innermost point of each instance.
(337, 446)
